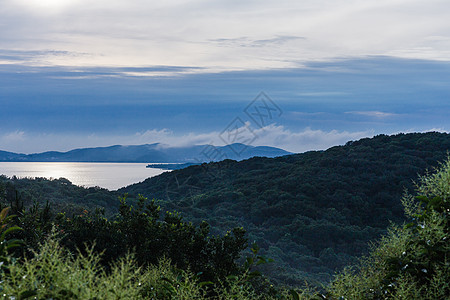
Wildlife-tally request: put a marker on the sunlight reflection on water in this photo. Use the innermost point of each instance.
(106, 175)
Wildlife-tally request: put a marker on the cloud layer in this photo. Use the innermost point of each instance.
(221, 35)
(272, 135)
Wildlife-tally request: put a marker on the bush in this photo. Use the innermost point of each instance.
(54, 273)
(413, 261)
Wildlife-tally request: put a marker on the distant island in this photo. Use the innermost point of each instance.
(149, 153)
(171, 166)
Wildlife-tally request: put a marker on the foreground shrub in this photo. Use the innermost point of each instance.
(54, 273)
(141, 229)
(413, 261)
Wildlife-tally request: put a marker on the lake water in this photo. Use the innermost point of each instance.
(111, 176)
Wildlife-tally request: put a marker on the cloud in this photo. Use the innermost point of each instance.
(322, 94)
(296, 141)
(373, 114)
(441, 130)
(272, 135)
(258, 34)
(38, 57)
(307, 139)
(14, 137)
(248, 42)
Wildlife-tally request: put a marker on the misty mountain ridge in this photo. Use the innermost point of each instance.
(154, 153)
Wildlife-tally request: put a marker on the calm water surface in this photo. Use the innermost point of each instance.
(106, 175)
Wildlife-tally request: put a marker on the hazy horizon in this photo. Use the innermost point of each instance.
(220, 144)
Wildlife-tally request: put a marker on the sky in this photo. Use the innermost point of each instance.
(299, 75)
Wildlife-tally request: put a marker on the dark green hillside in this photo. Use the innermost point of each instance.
(313, 212)
(61, 194)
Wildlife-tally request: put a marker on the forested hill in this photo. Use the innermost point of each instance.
(312, 212)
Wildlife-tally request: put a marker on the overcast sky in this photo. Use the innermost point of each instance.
(76, 73)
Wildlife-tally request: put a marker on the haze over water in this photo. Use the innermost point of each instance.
(111, 176)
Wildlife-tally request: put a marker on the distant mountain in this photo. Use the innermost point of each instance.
(154, 153)
(10, 156)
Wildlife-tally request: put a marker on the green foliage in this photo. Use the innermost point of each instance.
(6, 245)
(140, 229)
(413, 261)
(315, 212)
(62, 268)
(60, 194)
(55, 273)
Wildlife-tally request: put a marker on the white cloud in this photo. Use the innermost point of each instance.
(272, 135)
(421, 130)
(47, 7)
(307, 139)
(222, 35)
(441, 130)
(14, 137)
(373, 114)
(322, 94)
